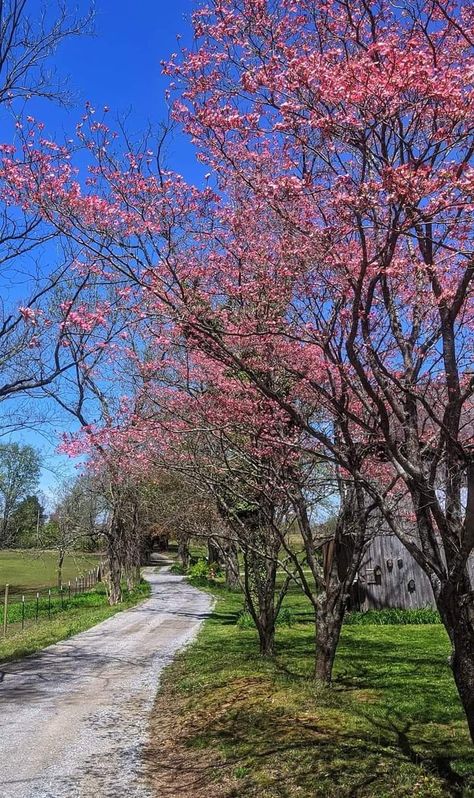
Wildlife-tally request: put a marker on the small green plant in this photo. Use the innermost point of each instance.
(393, 616)
(241, 772)
(201, 573)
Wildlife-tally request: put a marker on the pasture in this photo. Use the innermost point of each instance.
(28, 569)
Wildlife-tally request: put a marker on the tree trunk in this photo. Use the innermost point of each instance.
(231, 565)
(115, 573)
(183, 553)
(60, 569)
(266, 636)
(457, 613)
(213, 553)
(329, 618)
(259, 587)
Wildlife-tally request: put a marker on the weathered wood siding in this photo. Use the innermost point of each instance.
(390, 577)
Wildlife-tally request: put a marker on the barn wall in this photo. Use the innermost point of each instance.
(403, 584)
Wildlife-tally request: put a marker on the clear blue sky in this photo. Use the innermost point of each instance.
(120, 66)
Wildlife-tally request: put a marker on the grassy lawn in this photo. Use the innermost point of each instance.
(32, 568)
(80, 613)
(229, 724)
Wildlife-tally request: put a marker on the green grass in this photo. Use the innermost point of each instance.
(33, 568)
(393, 616)
(391, 727)
(80, 613)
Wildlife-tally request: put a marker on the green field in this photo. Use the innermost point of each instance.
(31, 568)
(75, 615)
(60, 616)
(241, 727)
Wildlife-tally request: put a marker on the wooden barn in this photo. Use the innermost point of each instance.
(390, 577)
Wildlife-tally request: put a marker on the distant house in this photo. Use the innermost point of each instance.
(390, 577)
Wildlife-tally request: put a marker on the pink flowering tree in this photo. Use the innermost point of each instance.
(331, 248)
(31, 344)
(351, 126)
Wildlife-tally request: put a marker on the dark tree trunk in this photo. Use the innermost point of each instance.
(457, 613)
(213, 552)
(329, 618)
(183, 553)
(60, 568)
(231, 565)
(259, 584)
(266, 636)
(115, 573)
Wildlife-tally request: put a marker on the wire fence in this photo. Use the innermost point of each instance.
(20, 608)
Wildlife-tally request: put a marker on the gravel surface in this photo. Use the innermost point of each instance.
(74, 717)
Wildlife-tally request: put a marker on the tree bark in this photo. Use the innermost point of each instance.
(183, 553)
(231, 565)
(213, 552)
(266, 637)
(329, 618)
(457, 613)
(115, 573)
(60, 568)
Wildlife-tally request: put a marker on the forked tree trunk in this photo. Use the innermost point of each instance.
(259, 584)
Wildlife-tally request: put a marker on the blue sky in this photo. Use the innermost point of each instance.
(120, 66)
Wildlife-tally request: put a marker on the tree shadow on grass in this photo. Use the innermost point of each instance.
(341, 741)
(316, 758)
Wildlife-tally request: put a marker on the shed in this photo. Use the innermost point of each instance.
(389, 576)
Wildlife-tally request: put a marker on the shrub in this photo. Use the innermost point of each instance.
(393, 616)
(201, 573)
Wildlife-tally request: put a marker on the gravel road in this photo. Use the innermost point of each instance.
(74, 718)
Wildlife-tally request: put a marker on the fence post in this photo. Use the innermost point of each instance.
(49, 604)
(37, 606)
(75, 587)
(5, 612)
(69, 588)
(61, 594)
(22, 613)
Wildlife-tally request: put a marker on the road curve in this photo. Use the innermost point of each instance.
(74, 718)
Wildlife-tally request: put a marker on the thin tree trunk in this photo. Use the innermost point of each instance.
(60, 568)
(231, 565)
(183, 553)
(115, 573)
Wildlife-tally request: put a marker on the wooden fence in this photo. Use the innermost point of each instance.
(17, 608)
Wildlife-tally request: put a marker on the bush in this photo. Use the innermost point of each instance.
(393, 616)
(201, 573)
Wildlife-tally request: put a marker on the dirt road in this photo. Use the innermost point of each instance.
(74, 718)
